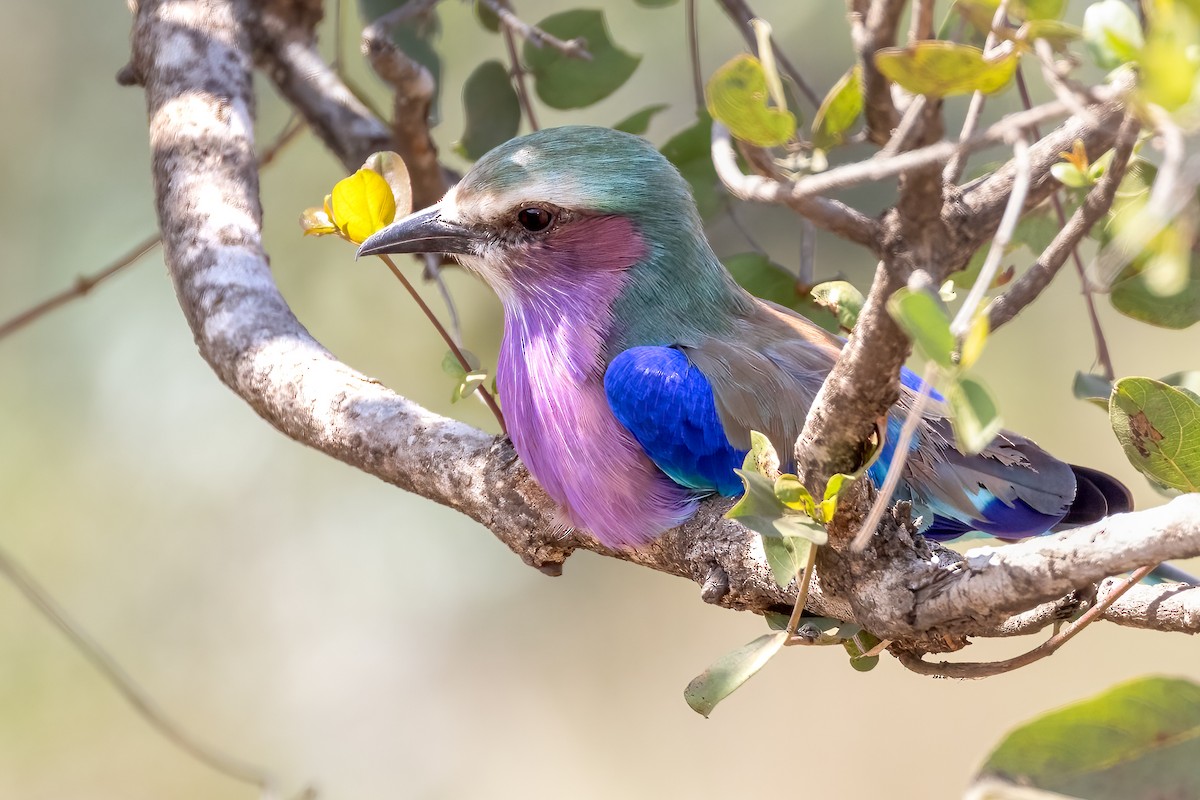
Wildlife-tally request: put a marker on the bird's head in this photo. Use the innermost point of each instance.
(556, 206)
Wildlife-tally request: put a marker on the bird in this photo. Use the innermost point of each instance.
(633, 368)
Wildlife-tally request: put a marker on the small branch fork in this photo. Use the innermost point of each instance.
(923, 597)
(572, 48)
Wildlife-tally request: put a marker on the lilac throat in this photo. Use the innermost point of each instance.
(551, 381)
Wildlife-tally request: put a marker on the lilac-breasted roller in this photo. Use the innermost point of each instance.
(633, 367)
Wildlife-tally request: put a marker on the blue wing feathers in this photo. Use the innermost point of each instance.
(667, 404)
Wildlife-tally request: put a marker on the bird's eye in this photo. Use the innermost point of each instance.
(534, 218)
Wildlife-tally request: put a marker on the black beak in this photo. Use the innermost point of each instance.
(422, 232)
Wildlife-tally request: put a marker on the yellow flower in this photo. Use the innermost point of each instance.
(363, 203)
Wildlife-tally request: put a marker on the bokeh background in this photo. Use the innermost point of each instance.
(341, 633)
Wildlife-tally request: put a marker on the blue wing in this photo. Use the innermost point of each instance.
(667, 404)
(1012, 490)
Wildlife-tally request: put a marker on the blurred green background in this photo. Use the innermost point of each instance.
(339, 632)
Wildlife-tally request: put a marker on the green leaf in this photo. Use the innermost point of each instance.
(761, 457)
(1070, 175)
(1185, 381)
(1137, 741)
(925, 320)
(362, 204)
(1161, 286)
(1095, 389)
(737, 97)
(857, 647)
(1158, 426)
(842, 299)
(565, 83)
(976, 419)
(833, 490)
(761, 511)
(730, 671)
(787, 557)
(487, 18)
(1112, 33)
(689, 150)
(493, 113)
(761, 277)
(639, 122)
(840, 109)
(942, 69)
(1058, 34)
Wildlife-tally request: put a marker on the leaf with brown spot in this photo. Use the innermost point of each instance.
(1159, 428)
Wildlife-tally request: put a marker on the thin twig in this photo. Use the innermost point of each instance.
(883, 500)
(954, 168)
(807, 274)
(805, 581)
(433, 273)
(986, 669)
(517, 73)
(832, 215)
(693, 29)
(877, 169)
(904, 131)
(921, 23)
(575, 48)
(488, 400)
(85, 283)
(740, 12)
(1004, 233)
(1103, 356)
(137, 697)
(1098, 201)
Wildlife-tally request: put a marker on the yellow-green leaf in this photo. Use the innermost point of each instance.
(362, 204)
(793, 494)
(840, 109)
(973, 342)
(737, 97)
(942, 69)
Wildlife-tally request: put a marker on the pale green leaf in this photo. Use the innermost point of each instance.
(841, 298)
(730, 671)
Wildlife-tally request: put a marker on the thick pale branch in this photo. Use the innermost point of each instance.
(1000, 580)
